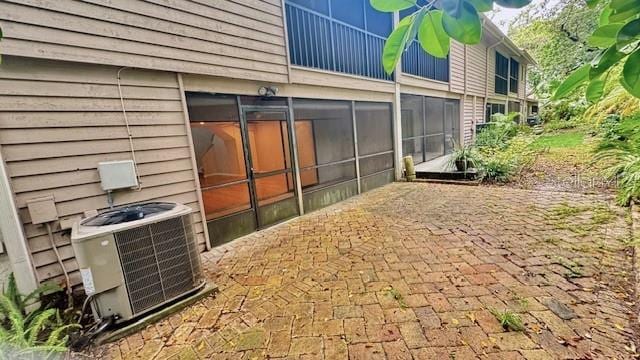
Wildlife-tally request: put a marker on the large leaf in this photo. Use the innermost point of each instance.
(452, 7)
(466, 28)
(592, 3)
(392, 5)
(622, 16)
(604, 36)
(605, 61)
(513, 3)
(572, 82)
(395, 44)
(595, 90)
(623, 5)
(628, 33)
(604, 16)
(482, 5)
(433, 39)
(631, 74)
(413, 31)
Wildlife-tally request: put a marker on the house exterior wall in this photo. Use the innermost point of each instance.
(59, 119)
(241, 39)
(457, 66)
(60, 112)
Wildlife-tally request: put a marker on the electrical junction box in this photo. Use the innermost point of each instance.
(116, 175)
(42, 210)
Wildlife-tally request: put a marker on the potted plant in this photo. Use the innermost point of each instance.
(464, 157)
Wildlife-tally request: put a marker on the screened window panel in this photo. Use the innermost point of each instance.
(434, 146)
(349, 11)
(324, 136)
(374, 164)
(378, 22)
(323, 176)
(434, 116)
(412, 116)
(413, 148)
(374, 127)
(212, 107)
(226, 200)
(321, 6)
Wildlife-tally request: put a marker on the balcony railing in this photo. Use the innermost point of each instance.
(318, 41)
(416, 61)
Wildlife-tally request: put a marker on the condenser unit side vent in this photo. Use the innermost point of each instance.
(160, 262)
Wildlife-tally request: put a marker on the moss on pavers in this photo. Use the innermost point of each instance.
(140, 324)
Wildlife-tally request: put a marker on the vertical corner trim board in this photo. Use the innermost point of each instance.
(59, 119)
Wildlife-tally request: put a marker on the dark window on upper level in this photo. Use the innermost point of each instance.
(502, 74)
(514, 76)
(338, 35)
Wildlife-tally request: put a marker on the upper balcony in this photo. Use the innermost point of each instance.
(347, 36)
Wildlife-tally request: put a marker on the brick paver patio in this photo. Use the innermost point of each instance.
(412, 271)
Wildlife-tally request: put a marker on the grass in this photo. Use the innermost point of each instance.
(560, 140)
(509, 320)
(395, 294)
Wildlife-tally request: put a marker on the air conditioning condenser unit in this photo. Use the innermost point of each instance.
(136, 258)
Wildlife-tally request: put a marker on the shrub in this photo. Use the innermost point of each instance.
(501, 163)
(498, 132)
(619, 151)
(38, 334)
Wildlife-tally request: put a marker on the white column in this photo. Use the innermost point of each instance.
(14, 239)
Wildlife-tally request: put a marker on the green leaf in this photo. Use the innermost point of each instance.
(395, 44)
(595, 90)
(466, 28)
(419, 16)
(631, 74)
(433, 39)
(623, 16)
(592, 3)
(482, 5)
(452, 7)
(392, 5)
(604, 36)
(574, 80)
(513, 3)
(623, 5)
(605, 61)
(628, 33)
(604, 16)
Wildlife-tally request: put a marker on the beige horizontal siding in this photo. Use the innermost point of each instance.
(238, 39)
(58, 120)
(476, 69)
(456, 66)
(480, 110)
(467, 119)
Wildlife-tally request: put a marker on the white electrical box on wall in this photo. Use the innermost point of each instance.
(116, 175)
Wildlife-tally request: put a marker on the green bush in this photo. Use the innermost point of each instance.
(497, 133)
(619, 151)
(501, 163)
(40, 334)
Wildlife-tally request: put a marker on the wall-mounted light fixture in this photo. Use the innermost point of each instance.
(267, 91)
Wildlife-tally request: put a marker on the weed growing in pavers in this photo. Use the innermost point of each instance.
(509, 320)
(574, 268)
(602, 215)
(522, 301)
(552, 240)
(397, 296)
(565, 210)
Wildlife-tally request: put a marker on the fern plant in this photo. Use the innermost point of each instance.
(38, 334)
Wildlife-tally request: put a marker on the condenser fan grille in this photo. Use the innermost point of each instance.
(160, 262)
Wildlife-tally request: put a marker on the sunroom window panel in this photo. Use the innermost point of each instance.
(325, 144)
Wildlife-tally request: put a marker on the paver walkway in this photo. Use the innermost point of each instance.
(411, 271)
